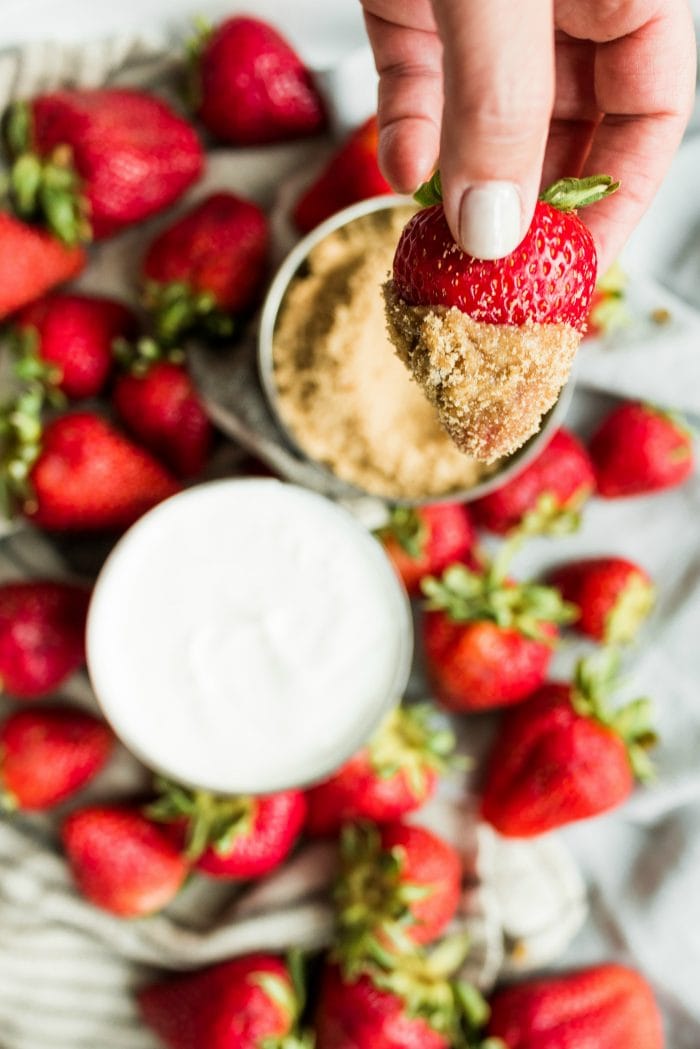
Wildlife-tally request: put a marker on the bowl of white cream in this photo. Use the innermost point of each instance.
(247, 636)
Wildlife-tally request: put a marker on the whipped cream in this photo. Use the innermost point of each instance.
(246, 636)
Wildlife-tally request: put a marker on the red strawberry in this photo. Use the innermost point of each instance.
(231, 837)
(31, 263)
(74, 334)
(351, 174)
(88, 477)
(613, 596)
(565, 756)
(394, 774)
(488, 641)
(552, 489)
(110, 157)
(252, 88)
(608, 311)
(207, 267)
(42, 636)
(121, 861)
(359, 1015)
(491, 343)
(548, 279)
(246, 1003)
(399, 885)
(157, 401)
(47, 755)
(605, 1007)
(639, 449)
(427, 540)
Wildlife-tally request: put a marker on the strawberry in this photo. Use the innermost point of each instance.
(351, 174)
(613, 596)
(42, 636)
(231, 837)
(552, 489)
(359, 1015)
(207, 268)
(31, 263)
(608, 312)
(565, 756)
(247, 1003)
(47, 755)
(425, 540)
(121, 861)
(88, 477)
(399, 885)
(414, 1006)
(251, 87)
(604, 1007)
(488, 641)
(639, 449)
(491, 342)
(157, 401)
(393, 775)
(93, 161)
(74, 335)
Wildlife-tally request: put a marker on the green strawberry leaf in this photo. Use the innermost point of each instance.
(570, 194)
(406, 526)
(430, 192)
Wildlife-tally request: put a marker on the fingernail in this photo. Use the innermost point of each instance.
(490, 219)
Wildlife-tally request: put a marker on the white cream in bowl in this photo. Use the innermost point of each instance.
(246, 636)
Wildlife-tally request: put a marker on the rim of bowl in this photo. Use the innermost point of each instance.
(286, 272)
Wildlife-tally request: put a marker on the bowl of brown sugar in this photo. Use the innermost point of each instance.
(335, 385)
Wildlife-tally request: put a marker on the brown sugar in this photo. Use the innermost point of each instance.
(491, 384)
(343, 393)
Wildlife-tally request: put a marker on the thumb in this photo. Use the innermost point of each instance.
(499, 90)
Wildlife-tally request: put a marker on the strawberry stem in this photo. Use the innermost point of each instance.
(594, 681)
(429, 192)
(176, 309)
(138, 357)
(570, 194)
(408, 529)
(210, 820)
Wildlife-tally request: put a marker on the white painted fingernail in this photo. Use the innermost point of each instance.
(490, 219)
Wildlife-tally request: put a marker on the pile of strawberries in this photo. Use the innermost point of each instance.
(85, 165)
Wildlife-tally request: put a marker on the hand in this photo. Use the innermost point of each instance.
(509, 96)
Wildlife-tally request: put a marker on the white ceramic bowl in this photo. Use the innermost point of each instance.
(510, 466)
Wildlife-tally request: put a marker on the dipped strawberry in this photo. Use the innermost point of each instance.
(207, 268)
(157, 401)
(42, 636)
(246, 1003)
(73, 335)
(550, 491)
(488, 641)
(605, 1007)
(121, 861)
(426, 540)
(639, 449)
(251, 87)
(491, 343)
(92, 161)
(393, 775)
(613, 597)
(399, 885)
(48, 754)
(31, 263)
(351, 174)
(231, 837)
(566, 755)
(608, 311)
(88, 477)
